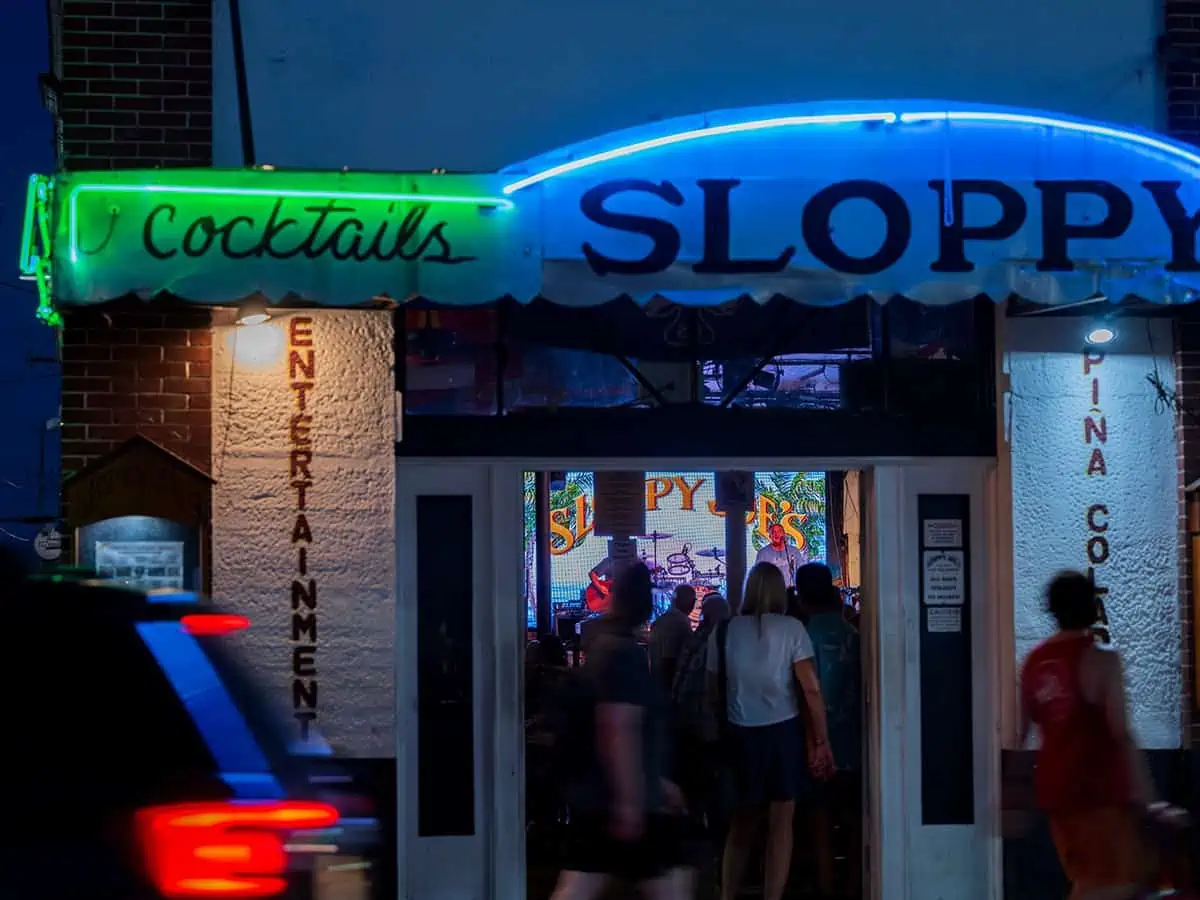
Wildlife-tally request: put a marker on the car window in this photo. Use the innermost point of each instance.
(96, 723)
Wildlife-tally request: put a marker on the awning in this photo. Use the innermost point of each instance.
(814, 203)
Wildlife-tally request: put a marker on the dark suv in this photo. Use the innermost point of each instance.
(143, 763)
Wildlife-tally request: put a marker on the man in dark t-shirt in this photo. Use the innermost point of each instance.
(624, 812)
(617, 673)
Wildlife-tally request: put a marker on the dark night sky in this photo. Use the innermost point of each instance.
(28, 388)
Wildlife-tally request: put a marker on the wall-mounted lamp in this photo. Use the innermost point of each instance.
(1099, 335)
(253, 312)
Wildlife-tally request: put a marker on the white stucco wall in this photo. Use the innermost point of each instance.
(350, 510)
(473, 85)
(1051, 398)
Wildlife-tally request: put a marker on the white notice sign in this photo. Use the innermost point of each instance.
(944, 581)
(622, 549)
(944, 619)
(622, 552)
(943, 533)
(150, 565)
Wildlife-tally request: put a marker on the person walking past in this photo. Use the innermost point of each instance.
(624, 811)
(1091, 780)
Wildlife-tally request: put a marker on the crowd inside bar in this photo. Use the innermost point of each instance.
(697, 547)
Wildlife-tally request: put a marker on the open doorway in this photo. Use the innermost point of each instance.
(691, 531)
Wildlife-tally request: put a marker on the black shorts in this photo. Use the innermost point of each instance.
(592, 848)
(768, 762)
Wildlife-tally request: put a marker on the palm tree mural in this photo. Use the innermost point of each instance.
(530, 549)
(798, 492)
(575, 485)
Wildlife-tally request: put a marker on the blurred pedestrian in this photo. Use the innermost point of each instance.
(761, 663)
(625, 820)
(1091, 779)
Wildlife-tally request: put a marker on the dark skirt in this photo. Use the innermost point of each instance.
(768, 763)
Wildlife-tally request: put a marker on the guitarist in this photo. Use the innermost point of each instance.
(598, 594)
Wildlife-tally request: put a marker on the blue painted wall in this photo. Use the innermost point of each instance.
(473, 85)
(29, 389)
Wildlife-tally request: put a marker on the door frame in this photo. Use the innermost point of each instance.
(915, 860)
(892, 814)
(497, 672)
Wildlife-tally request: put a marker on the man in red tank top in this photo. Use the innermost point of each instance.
(1091, 780)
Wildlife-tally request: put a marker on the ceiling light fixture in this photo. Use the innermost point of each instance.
(253, 312)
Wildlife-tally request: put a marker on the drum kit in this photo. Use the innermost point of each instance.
(680, 568)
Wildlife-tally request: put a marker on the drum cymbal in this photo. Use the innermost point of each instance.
(655, 536)
(714, 553)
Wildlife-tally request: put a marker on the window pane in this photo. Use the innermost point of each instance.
(450, 363)
(792, 381)
(541, 377)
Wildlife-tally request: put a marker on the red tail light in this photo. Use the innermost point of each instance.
(213, 624)
(224, 849)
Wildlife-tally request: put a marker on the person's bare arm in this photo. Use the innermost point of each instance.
(1109, 677)
(814, 703)
(619, 746)
(810, 731)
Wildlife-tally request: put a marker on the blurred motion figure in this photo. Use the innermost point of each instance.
(625, 819)
(1091, 779)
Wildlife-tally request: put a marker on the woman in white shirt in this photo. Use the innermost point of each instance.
(771, 694)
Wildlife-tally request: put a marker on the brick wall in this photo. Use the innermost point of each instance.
(136, 87)
(136, 92)
(137, 372)
(1181, 65)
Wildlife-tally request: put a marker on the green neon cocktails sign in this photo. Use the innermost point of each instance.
(329, 238)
